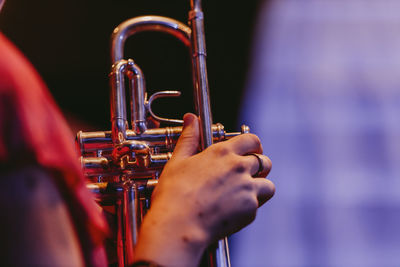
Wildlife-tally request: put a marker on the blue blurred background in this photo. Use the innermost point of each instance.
(323, 93)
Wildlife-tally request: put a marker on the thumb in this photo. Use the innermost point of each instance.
(188, 142)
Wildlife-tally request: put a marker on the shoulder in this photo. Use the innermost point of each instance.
(14, 66)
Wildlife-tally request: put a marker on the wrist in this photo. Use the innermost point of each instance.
(170, 240)
(145, 263)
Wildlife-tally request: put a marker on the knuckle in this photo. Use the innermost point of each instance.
(187, 137)
(268, 162)
(247, 186)
(239, 165)
(221, 149)
(253, 140)
(267, 165)
(272, 189)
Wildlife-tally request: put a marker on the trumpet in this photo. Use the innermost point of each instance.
(122, 165)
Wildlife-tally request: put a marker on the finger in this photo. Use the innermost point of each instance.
(265, 190)
(245, 144)
(188, 142)
(260, 165)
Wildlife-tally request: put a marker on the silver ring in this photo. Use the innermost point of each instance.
(260, 164)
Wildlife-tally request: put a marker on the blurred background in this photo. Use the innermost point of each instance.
(323, 93)
(317, 80)
(68, 41)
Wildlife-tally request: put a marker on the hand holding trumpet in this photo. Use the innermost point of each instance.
(203, 197)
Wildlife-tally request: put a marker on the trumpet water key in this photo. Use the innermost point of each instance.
(122, 165)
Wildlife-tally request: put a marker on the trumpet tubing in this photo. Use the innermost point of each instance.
(122, 165)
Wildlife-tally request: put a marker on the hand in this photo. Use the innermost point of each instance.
(203, 197)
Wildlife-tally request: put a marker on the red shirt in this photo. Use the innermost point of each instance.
(33, 130)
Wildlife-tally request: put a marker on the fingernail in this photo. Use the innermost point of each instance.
(187, 119)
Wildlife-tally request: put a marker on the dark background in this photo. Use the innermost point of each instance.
(68, 42)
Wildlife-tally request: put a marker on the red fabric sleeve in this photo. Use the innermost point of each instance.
(33, 130)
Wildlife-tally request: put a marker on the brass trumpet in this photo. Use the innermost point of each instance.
(123, 165)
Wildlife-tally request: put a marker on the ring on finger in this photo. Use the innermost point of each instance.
(260, 165)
